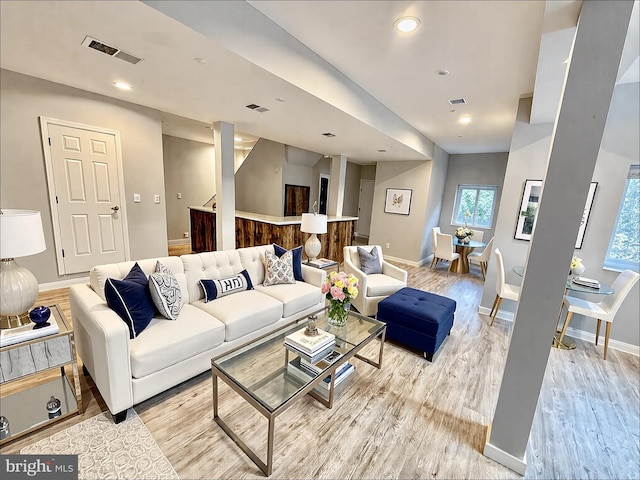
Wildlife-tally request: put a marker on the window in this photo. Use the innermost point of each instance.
(624, 246)
(478, 201)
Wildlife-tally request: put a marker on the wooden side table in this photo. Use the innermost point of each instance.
(26, 379)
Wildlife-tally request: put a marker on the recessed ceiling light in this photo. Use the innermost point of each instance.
(465, 120)
(459, 136)
(442, 73)
(237, 139)
(201, 61)
(406, 24)
(122, 85)
(382, 150)
(280, 99)
(452, 110)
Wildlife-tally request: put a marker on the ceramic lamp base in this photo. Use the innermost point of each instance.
(312, 247)
(18, 293)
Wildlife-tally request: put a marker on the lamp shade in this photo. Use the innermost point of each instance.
(312, 223)
(21, 233)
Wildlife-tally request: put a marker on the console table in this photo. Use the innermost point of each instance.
(27, 382)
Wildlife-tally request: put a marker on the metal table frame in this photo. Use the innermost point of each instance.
(267, 467)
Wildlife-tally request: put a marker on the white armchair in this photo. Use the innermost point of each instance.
(374, 287)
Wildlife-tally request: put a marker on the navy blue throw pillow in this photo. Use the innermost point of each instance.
(297, 260)
(131, 300)
(221, 287)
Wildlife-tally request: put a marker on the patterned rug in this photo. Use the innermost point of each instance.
(106, 450)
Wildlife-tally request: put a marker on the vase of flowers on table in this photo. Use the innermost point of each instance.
(464, 233)
(577, 267)
(339, 288)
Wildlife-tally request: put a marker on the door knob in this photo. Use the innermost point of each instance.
(116, 208)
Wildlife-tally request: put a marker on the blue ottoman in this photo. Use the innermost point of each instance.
(418, 319)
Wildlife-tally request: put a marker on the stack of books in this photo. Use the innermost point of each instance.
(322, 263)
(305, 371)
(586, 282)
(11, 336)
(310, 348)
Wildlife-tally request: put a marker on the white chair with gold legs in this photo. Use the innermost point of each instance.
(444, 250)
(605, 310)
(503, 289)
(434, 243)
(482, 258)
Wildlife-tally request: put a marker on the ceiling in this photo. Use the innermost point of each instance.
(317, 66)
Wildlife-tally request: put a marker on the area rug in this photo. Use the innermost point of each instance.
(107, 450)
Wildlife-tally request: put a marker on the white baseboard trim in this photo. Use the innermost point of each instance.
(402, 260)
(180, 241)
(574, 333)
(503, 458)
(45, 287)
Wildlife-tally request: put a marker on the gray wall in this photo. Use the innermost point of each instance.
(528, 157)
(22, 169)
(189, 169)
(439, 168)
(403, 233)
(472, 169)
(259, 185)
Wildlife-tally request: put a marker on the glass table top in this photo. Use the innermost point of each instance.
(603, 290)
(261, 367)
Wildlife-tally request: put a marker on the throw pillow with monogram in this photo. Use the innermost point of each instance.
(278, 270)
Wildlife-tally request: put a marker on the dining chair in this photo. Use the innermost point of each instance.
(444, 250)
(477, 236)
(482, 258)
(434, 243)
(604, 310)
(503, 289)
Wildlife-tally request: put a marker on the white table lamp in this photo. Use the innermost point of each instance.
(314, 224)
(21, 234)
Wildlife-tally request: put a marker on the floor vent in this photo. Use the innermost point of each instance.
(109, 50)
(457, 101)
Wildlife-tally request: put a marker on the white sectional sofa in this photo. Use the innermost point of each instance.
(128, 371)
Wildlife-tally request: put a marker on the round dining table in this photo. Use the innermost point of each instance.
(464, 249)
(603, 289)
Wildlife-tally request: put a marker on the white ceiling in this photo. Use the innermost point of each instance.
(338, 65)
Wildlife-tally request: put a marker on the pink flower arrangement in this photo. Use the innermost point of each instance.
(339, 288)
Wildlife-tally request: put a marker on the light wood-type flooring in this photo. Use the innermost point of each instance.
(412, 419)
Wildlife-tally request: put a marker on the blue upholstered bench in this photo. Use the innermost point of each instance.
(420, 320)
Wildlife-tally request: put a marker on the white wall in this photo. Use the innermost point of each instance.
(22, 170)
(527, 160)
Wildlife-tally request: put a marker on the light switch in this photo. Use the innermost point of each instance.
(156, 199)
(136, 198)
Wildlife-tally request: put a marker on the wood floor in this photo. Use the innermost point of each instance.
(412, 419)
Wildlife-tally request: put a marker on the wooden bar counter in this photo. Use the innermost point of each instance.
(256, 229)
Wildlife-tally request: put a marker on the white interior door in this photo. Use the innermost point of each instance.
(365, 206)
(88, 203)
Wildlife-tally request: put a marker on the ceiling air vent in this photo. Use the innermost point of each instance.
(328, 134)
(457, 101)
(257, 108)
(109, 50)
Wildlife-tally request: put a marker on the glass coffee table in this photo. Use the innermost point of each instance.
(260, 372)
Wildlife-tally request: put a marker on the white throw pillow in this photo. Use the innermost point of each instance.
(165, 292)
(278, 270)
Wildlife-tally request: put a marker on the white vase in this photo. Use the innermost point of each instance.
(578, 269)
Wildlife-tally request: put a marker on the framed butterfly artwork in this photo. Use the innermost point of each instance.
(398, 201)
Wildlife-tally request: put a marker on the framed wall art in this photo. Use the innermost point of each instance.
(529, 209)
(398, 200)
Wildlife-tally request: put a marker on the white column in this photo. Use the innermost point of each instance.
(225, 186)
(336, 185)
(576, 141)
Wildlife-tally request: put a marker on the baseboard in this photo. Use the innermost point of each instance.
(180, 241)
(574, 333)
(402, 260)
(45, 287)
(503, 458)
